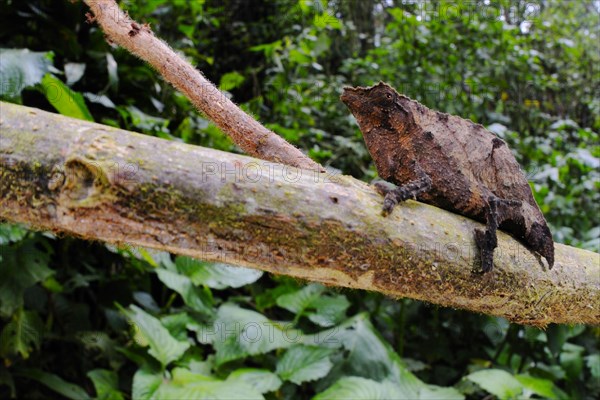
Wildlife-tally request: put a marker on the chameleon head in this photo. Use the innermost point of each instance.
(374, 101)
(377, 109)
(381, 118)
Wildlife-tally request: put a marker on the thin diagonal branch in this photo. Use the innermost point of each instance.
(245, 131)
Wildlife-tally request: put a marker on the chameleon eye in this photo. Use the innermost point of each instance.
(389, 96)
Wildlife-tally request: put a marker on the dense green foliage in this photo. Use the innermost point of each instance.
(85, 320)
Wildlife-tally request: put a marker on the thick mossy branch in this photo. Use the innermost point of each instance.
(101, 183)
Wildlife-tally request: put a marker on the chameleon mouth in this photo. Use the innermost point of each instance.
(351, 96)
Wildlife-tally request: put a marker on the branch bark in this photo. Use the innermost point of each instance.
(102, 183)
(245, 131)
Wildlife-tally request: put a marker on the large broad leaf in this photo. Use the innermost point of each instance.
(310, 301)
(304, 363)
(237, 333)
(22, 266)
(177, 324)
(540, 386)
(360, 388)
(22, 334)
(146, 301)
(261, 380)
(593, 363)
(188, 385)
(145, 384)
(328, 310)
(368, 355)
(106, 384)
(357, 388)
(298, 301)
(56, 383)
(195, 297)
(21, 68)
(498, 382)
(66, 101)
(216, 275)
(150, 332)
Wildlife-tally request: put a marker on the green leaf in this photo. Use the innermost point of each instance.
(187, 30)
(193, 296)
(552, 372)
(357, 388)
(146, 301)
(433, 392)
(145, 384)
(74, 72)
(216, 275)
(113, 70)
(304, 363)
(497, 382)
(177, 323)
(327, 20)
(370, 356)
(188, 385)
(231, 80)
(269, 49)
(144, 121)
(21, 68)
(106, 384)
(11, 233)
(237, 333)
(330, 310)
(22, 334)
(539, 386)
(557, 336)
(66, 101)
(297, 57)
(23, 265)
(261, 380)
(571, 359)
(593, 363)
(268, 298)
(150, 332)
(56, 383)
(298, 301)
(289, 134)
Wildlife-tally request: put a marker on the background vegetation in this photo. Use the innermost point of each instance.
(86, 320)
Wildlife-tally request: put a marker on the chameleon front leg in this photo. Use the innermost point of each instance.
(497, 210)
(412, 189)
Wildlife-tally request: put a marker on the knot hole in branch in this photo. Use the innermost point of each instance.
(85, 182)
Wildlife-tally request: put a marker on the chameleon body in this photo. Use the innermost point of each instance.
(451, 163)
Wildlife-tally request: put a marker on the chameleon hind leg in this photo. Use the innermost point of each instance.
(497, 211)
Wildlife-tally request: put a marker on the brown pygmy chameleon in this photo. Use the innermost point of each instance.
(451, 163)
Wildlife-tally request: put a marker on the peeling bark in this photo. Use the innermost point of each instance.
(102, 183)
